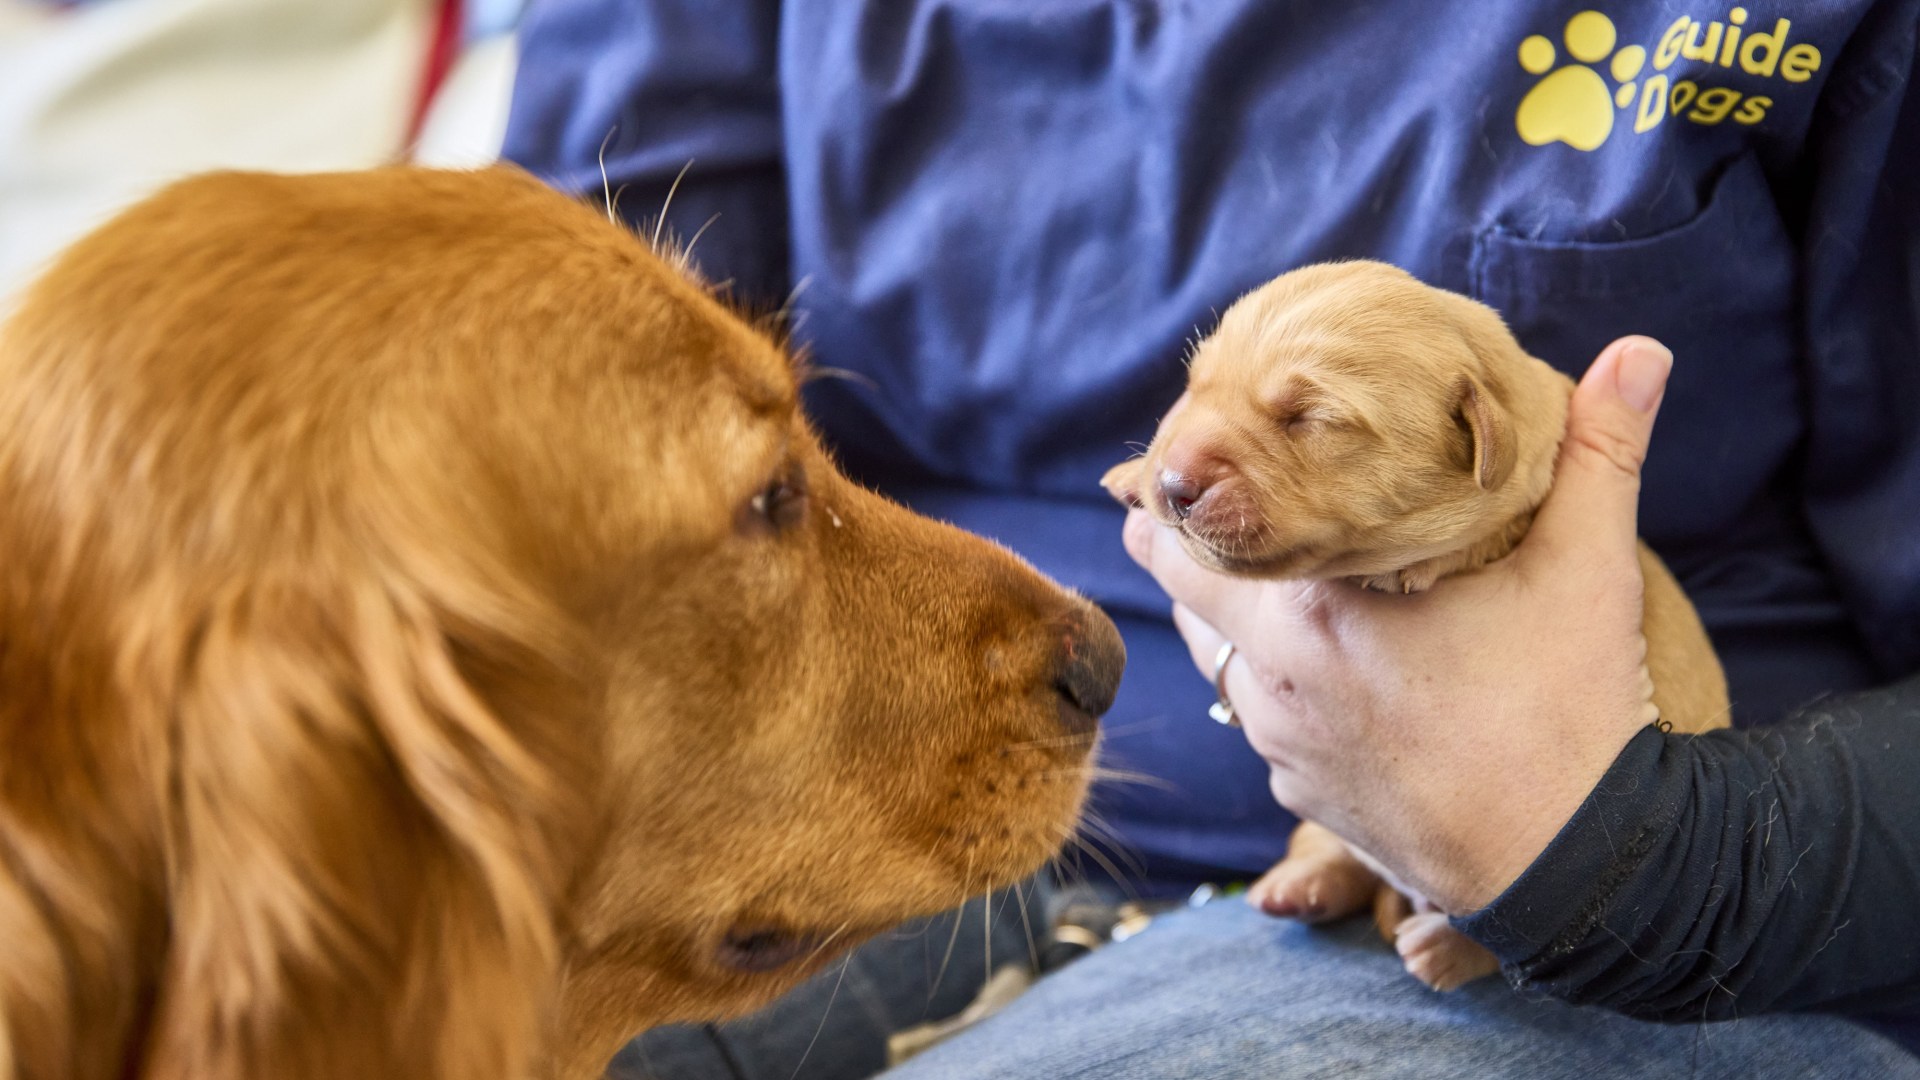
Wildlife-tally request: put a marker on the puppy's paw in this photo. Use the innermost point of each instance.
(1391, 907)
(1314, 888)
(1438, 955)
(1123, 482)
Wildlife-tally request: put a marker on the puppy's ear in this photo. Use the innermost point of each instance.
(1124, 481)
(366, 829)
(1486, 424)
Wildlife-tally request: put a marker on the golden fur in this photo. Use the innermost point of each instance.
(434, 645)
(1347, 421)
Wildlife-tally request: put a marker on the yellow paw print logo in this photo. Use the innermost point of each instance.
(1573, 105)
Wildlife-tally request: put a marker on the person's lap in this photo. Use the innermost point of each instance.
(1226, 992)
(1222, 992)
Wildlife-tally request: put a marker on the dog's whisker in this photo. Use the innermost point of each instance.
(1061, 834)
(793, 294)
(1099, 839)
(1054, 742)
(1101, 829)
(986, 937)
(667, 203)
(1136, 727)
(1105, 734)
(826, 943)
(1026, 927)
(822, 372)
(686, 252)
(824, 1013)
(784, 314)
(1069, 873)
(606, 188)
(1103, 774)
(1106, 864)
(954, 939)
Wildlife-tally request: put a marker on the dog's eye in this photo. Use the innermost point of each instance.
(778, 506)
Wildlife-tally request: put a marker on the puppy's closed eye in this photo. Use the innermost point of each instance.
(1305, 421)
(1301, 406)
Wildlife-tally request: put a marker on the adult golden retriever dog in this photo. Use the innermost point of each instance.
(1347, 422)
(433, 644)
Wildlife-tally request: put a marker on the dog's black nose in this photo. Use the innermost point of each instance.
(1092, 656)
(1179, 491)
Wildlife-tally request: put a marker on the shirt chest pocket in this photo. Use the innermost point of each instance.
(1720, 291)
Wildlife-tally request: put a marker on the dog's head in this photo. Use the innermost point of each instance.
(436, 645)
(1345, 420)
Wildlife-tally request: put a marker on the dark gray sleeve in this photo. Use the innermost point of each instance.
(1736, 872)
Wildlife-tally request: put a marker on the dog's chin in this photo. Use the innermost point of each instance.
(781, 944)
(783, 953)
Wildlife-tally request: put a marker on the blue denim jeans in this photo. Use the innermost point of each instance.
(1226, 992)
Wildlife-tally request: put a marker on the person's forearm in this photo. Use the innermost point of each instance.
(1720, 875)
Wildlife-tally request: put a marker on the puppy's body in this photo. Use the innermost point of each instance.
(1347, 422)
(434, 645)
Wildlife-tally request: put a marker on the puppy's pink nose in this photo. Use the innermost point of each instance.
(1179, 491)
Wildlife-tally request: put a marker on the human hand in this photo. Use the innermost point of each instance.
(1451, 733)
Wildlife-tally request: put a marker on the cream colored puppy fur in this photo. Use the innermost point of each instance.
(1346, 421)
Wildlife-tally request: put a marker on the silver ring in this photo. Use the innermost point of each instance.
(1222, 710)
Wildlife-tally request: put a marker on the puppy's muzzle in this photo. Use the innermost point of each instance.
(1206, 497)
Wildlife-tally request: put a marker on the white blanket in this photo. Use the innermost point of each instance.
(102, 102)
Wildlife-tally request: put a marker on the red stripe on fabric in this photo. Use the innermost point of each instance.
(442, 50)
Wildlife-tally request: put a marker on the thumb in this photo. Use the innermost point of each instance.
(1596, 483)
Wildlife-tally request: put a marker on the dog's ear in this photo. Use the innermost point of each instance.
(1486, 424)
(366, 831)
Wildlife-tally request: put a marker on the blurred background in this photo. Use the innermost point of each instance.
(103, 100)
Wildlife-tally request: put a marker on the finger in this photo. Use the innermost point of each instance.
(1262, 716)
(1229, 604)
(1203, 641)
(1596, 483)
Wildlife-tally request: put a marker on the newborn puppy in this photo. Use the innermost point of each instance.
(1348, 422)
